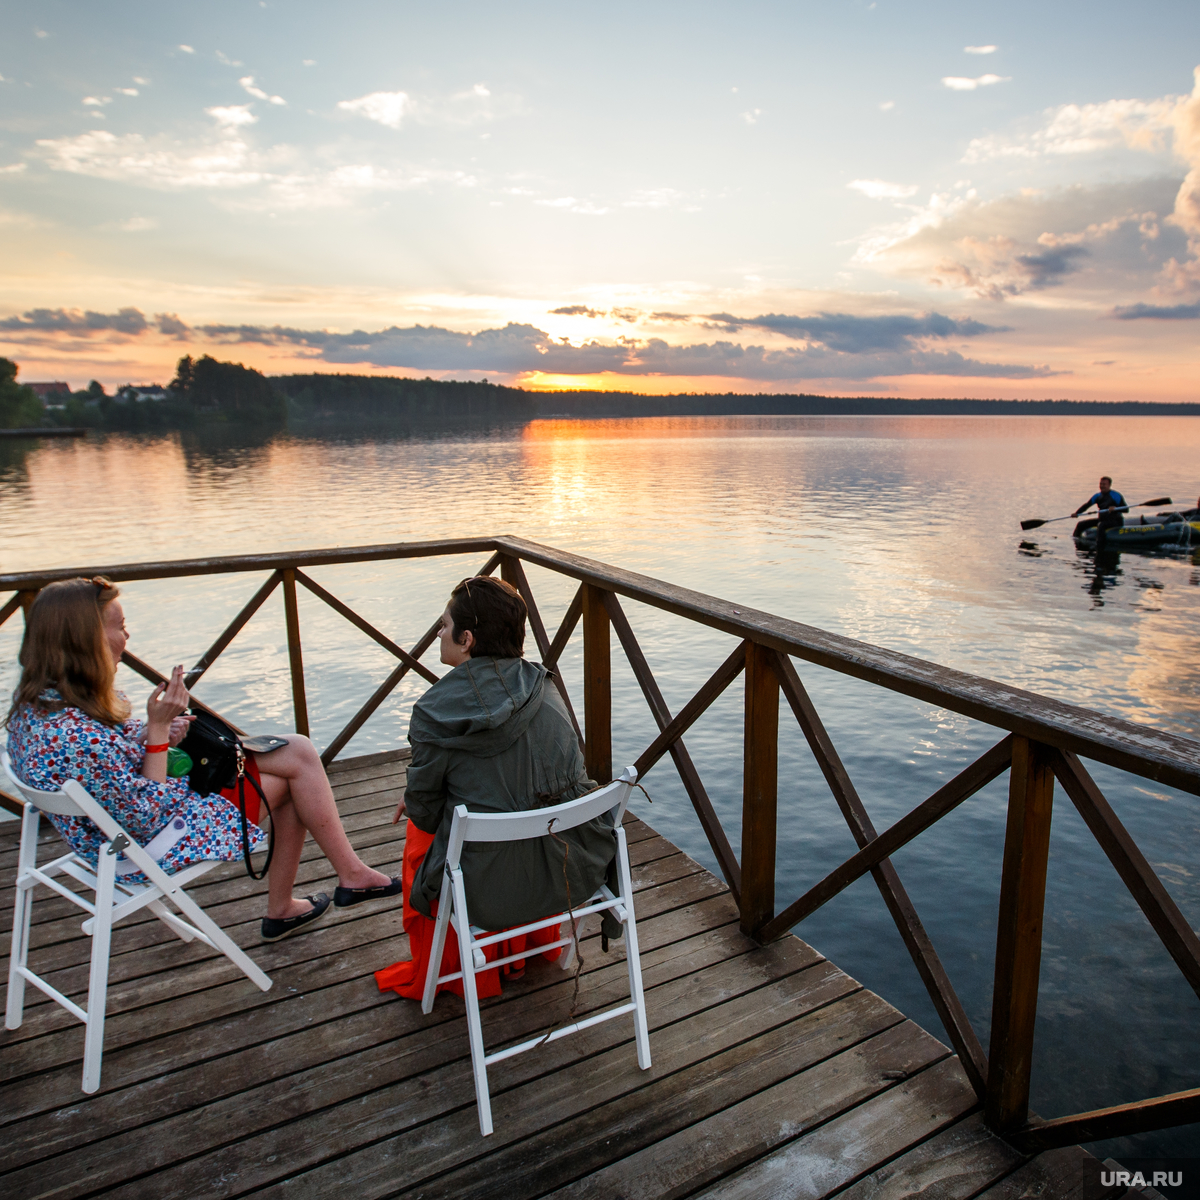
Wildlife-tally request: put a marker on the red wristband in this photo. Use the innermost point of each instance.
(158, 749)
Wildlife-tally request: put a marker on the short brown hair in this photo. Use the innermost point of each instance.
(65, 648)
(494, 612)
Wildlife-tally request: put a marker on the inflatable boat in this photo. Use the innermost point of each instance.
(1161, 529)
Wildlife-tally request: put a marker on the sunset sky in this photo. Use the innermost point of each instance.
(849, 197)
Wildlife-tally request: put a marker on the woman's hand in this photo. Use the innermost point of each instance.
(401, 808)
(168, 701)
(164, 710)
(179, 728)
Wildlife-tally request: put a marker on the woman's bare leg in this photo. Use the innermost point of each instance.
(289, 844)
(301, 800)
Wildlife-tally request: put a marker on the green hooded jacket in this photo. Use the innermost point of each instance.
(494, 734)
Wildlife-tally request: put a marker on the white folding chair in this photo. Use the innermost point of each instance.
(115, 899)
(452, 909)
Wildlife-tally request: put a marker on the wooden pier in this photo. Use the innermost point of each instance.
(775, 1074)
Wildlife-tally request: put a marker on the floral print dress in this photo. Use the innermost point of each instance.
(47, 747)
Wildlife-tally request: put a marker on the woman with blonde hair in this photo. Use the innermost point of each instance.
(69, 721)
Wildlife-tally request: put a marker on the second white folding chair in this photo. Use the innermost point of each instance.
(452, 910)
(115, 899)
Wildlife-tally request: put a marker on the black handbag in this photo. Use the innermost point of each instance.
(218, 761)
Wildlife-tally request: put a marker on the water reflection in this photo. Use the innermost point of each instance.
(1103, 571)
(903, 532)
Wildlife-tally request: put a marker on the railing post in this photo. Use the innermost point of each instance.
(760, 789)
(597, 686)
(1019, 934)
(292, 616)
(508, 570)
(27, 599)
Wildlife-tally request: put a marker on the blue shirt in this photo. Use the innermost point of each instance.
(1103, 500)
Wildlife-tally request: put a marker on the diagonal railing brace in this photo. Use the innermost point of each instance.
(937, 983)
(709, 821)
(385, 689)
(231, 630)
(961, 788)
(695, 708)
(1136, 873)
(146, 671)
(361, 623)
(514, 573)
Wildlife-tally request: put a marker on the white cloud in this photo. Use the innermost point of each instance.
(1100, 238)
(13, 169)
(880, 189)
(126, 91)
(980, 49)
(387, 108)
(887, 106)
(232, 115)
(751, 117)
(132, 159)
(309, 62)
(229, 62)
(247, 82)
(138, 224)
(95, 101)
(960, 83)
(570, 204)
(242, 175)
(1184, 276)
(1085, 128)
(187, 49)
(1101, 241)
(40, 33)
(654, 198)
(140, 81)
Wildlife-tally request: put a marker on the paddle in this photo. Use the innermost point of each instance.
(1144, 504)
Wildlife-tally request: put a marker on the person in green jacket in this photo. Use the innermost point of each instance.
(494, 734)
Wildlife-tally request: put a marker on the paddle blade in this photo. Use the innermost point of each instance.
(1032, 524)
(1155, 503)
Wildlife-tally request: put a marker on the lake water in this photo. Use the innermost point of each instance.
(898, 531)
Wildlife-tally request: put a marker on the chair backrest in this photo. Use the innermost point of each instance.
(73, 801)
(538, 822)
(58, 803)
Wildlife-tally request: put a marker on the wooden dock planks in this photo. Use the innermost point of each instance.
(775, 1073)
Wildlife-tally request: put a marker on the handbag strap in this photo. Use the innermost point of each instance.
(242, 777)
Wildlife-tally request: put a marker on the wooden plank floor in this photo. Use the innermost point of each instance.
(775, 1073)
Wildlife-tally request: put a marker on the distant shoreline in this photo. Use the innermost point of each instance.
(328, 402)
(631, 405)
(45, 431)
(324, 396)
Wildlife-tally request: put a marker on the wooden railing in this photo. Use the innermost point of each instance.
(1043, 741)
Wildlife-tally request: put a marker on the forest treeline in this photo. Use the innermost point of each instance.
(206, 393)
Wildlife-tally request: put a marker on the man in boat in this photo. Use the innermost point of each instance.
(1110, 506)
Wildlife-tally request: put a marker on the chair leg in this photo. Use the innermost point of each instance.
(93, 1044)
(179, 928)
(22, 913)
(633, 958)
(471, 996)
(219, 938)
(439, 945)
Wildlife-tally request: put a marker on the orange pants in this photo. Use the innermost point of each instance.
(408, 978)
